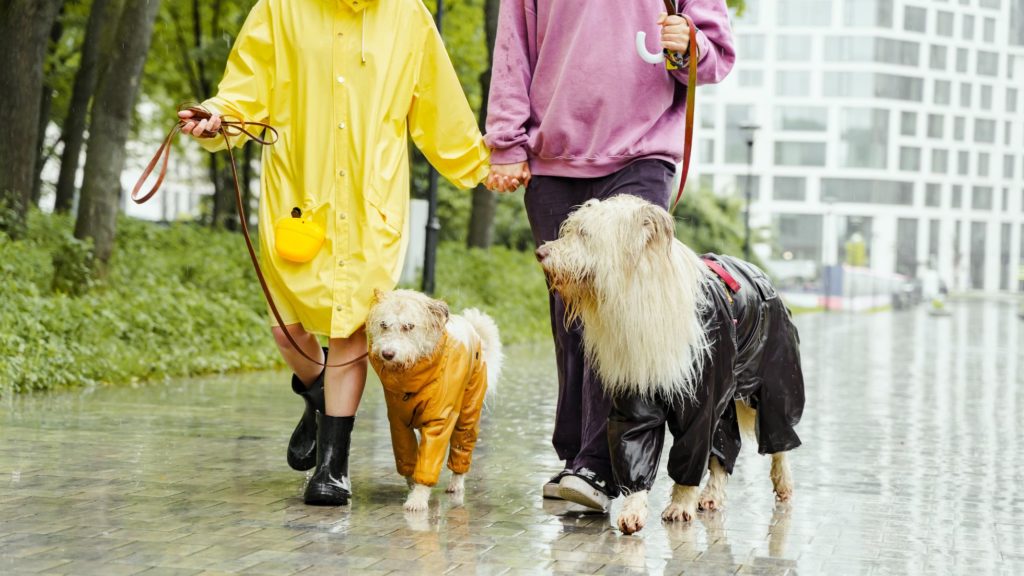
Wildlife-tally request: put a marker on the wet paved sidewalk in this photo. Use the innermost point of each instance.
(913, 463)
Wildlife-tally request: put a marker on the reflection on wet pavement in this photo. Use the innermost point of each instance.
(913, 463)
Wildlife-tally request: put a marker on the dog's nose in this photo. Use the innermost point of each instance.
(542, 252)
(388, 354)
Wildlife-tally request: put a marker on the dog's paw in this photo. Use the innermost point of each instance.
(708, 502)
(633, 515)
(782, 480)
(457, 485)
(678, 513)
(419, 498)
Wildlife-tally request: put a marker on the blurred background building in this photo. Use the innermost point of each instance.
(887, 135)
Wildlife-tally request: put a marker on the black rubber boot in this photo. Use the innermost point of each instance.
(302, 445)
(329, 485)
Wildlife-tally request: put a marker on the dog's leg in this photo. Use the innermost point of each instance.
(419, 498)
(683, 505)
(782, 480)
(634, 513)
(457, 485)
(713, 497)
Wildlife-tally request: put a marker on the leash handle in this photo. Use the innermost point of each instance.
(691, 102)
(229, 128)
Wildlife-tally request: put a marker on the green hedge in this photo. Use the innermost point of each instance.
(182, 300)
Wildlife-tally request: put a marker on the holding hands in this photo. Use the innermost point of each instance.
(201, 129)
(675, 33)
(508, 177)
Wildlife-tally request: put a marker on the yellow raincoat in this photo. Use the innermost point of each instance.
(441, 396)
(343, 82)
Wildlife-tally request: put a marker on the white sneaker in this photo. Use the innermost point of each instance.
(551, 486)
(586, 488)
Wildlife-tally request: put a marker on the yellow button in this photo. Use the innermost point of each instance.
(341, 126)
(338, 308)
(341, 173)
(341, 79)
(341, 262)
(341, 216)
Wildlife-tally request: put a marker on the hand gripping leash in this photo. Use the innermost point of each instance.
(230, 128)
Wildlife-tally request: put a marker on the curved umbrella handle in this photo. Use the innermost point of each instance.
(646, 55)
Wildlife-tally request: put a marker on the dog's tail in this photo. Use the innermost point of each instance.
(493, 355)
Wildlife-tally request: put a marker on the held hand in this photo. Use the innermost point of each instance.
(200, 129)
(675, 33)
(508, 177)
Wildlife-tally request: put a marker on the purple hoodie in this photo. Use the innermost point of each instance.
(570, 93)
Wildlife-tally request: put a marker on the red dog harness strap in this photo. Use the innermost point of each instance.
(722, 273)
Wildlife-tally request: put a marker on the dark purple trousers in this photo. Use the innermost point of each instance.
(581, 418)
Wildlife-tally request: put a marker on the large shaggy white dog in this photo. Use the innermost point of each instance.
(675, 339)
(436, 369)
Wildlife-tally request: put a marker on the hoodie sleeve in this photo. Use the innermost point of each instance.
(508, 105)
(244, 92)
(441, 122)
(716, 54)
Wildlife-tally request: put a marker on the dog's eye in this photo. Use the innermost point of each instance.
(407, 327)
(384, 326)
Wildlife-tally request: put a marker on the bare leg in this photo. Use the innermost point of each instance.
(306, 371)
(343, 387)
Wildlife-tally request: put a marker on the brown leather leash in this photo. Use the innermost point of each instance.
(691, 94)
(229, 128)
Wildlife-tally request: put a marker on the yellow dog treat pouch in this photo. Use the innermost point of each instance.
(298, 237)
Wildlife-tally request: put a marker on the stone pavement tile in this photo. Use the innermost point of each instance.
(699, 569)
(749, 570)
(27, 565)
(165, 571)
(272, 568)
(97, 568)
(575, 567)
(382, 551)
(343, 571)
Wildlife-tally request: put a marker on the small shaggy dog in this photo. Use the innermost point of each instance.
(436, 370)
(676, 340)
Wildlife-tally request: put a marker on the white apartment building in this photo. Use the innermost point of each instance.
(897, 121)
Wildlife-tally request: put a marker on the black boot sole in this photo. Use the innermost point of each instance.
(302, 465)
(317, 497)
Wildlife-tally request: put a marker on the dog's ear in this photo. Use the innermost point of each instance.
(657, 222)
(439, 310)
(377, 295)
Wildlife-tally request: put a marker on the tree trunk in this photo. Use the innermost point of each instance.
(485, 202)
(78, 109)
(24, 29)
(111, 120)
(45, 105)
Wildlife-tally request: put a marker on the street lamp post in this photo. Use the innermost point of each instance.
(749, 129)
(433, 222)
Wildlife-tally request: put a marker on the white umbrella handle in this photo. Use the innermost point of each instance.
(646, 55)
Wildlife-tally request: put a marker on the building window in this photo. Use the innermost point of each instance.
(988, 63)
(978, 237)
(800, 153)
(868, 13)
(965, 95)
(984, 163)
(906, 246)
(984, 131)
(986, 97)
(801, 118)
(792, 83)
(940, 161)
(1008, 166)
(1006, 199)
(937, 57)
(914, 18)
(791, 188)
(799, 235)
(936, 123)
(865, 49)
(864, 137)
(910, 159)
(1011, 100)
(963, 163)
(989, 33)
(968, 27)
(856, 191)
(736, 115)
(944, 23)
(933, 242)
(958, 196)
(942, 92)
(751, 78)
(908, 123)
(804, 12)
(750, 46)
(933, 195)
(959, 132)
(961, 60)
(873, 85)
(994, 4)
(981, 198)
(791, 48)
(707, 150)
(1017, 33)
